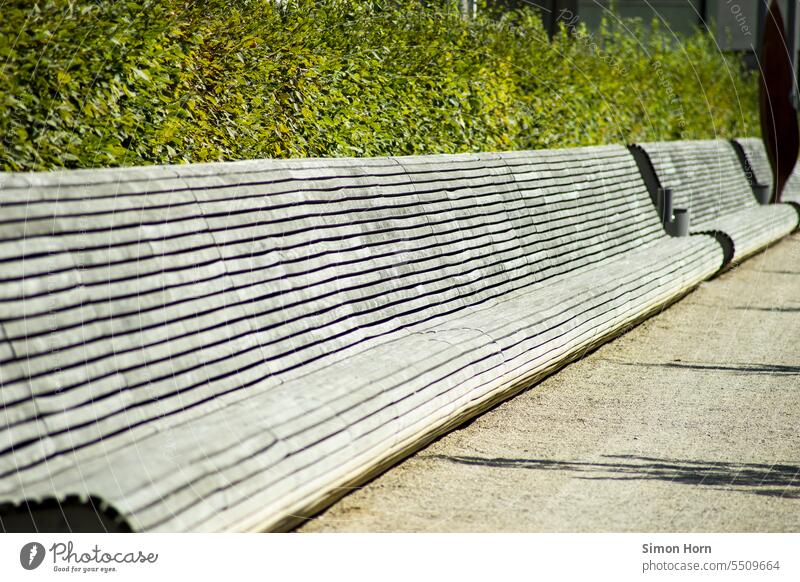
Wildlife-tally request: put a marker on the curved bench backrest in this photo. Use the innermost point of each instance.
(568, 208)
(705, 176)
(136, 295)
(756, 155)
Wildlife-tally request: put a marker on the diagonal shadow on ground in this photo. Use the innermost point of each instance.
(770, 369)
(776, 480)
(768, 309)
(766, 369)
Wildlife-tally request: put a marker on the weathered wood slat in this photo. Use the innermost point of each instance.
(225, 346)
(757, 159)
(707, 177)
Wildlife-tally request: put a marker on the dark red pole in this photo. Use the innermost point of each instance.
(779, 128)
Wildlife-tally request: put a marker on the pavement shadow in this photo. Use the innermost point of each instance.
(776, 480)
(774, 309)
(766, 369)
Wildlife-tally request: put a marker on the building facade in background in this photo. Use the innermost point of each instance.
(736, 24)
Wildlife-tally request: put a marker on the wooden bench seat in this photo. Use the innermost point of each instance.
(707, 177)
(756, 156)
(231, 346)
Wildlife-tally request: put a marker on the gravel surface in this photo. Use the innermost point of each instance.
(690, 422)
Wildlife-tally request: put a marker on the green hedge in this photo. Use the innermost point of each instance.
(106, 83)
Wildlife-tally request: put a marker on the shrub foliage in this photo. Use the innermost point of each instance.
(105, 83)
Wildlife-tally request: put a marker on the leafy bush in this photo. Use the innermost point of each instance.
(106, 83)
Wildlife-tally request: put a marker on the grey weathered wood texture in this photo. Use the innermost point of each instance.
(230, 346)
(757, 159)
(707, 177)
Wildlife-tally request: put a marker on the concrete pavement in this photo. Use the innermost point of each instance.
(689, 422)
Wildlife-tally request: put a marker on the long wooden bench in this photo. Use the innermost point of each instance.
(755, 155)
(232, 346)
(707, 177)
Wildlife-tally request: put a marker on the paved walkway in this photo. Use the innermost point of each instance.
(690, 422)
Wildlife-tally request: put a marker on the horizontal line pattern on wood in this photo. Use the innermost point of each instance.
(757, 159)
(756, 156)
(220, 346)
(707, 177)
